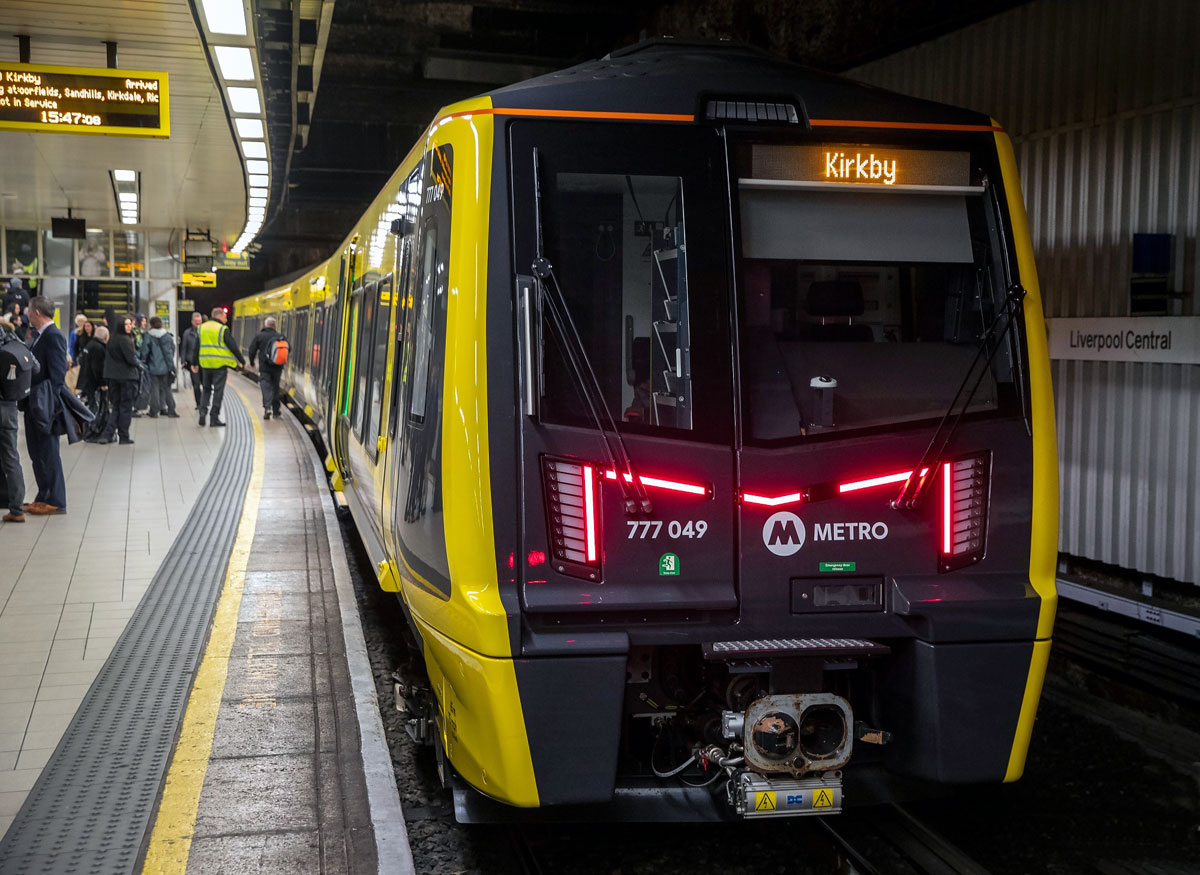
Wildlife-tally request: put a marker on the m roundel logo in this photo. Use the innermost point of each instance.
(783, 533)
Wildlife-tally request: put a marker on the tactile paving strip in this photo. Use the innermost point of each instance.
(91, 807)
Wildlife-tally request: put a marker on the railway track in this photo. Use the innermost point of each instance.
(880, 840)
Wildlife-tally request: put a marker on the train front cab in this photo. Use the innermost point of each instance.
(778, 324)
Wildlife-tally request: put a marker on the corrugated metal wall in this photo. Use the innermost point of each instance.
(1102, 99)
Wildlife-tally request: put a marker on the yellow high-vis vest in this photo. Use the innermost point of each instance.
(213, 351)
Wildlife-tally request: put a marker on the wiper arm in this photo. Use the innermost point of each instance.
(923, 473)
(632, 489)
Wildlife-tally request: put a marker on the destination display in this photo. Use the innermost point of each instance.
(861, 165)
(84, 100)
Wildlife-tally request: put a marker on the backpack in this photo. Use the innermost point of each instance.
(16, 368)
(277, 352)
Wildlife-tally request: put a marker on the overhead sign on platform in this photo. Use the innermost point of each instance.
(201, 280)
(1174, 339)
(84, 100)
(231, 261)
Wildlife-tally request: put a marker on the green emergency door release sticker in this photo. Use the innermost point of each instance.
(837, 566)
(668, 565)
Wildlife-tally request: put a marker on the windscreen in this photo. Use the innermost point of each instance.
(864, 302)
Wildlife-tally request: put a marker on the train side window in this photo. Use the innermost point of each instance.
(379, 333)
(318, 342)
(404, 295)
(353, 327)
(423, 334)
(367, 314)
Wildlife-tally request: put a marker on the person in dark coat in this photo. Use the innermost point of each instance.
(12, 478)
(91, 385)
(158, 354)
(268, 373)
(49, 347)
(122, 374)
(189, 354)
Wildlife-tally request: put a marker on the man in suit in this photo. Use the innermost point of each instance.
(49, 347)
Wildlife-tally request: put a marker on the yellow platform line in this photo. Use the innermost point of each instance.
(175, 824)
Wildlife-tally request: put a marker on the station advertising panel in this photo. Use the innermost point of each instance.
(84, 100)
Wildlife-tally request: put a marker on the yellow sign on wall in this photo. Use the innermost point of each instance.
(186, 306)
(205, 280)
(162, 308)
(84, 100)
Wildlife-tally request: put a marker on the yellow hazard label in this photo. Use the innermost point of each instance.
(764, 801)
(823, 799)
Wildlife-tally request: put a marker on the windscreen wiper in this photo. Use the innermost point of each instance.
(633, 491)
(922, 474)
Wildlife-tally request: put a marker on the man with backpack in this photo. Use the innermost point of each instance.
(271, 348)
(158, 354)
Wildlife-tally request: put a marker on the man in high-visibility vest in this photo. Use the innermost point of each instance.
(218, 352)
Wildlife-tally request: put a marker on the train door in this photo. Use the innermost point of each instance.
(349, 305)
(619, 241)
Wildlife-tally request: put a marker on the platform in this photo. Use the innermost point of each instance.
(200, 700)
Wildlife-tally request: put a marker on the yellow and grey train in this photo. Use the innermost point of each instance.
(697, 408)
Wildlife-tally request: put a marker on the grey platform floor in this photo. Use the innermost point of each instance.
(70, 583)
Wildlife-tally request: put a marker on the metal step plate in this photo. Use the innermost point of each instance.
(766, 647)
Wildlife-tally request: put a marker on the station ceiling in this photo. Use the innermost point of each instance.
(194, 179)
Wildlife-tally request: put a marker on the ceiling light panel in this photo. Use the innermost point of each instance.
(249, 128)
(125, 175)
(254, 148)
(225, 16)
(235, 63)
(259, 180)
(244, 100)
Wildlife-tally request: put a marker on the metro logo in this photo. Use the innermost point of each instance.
(783, 533)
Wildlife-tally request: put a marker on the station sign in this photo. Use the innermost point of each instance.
(84, 100)
(200, 280)
(843, 165)
(231, 261)
(162, 308)
(1172, 339)
(186, 305)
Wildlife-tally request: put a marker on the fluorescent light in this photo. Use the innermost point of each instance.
(258, 202)
(249, 128)
(128, 220)
(235, 63)
(258, 180)
(127, 196)
(125, 175)
(258, 167)
(254, 148)
(225, 16)
(244, 100)
(255, 213)
(260, 192)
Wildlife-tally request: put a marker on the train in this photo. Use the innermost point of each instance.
(696, 408)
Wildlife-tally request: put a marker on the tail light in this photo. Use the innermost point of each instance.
(964, 511)
(573, 515)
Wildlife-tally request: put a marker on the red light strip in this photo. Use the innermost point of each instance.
(589, 510)
(947, 509)
(878, 481)
(790, 498)
(659, 483)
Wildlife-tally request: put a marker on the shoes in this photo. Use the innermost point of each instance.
(266, 414)
(137, 414)
(14, 517)
(202, 419)
(40, 508)
(172, 415)
(216, 423)
(126, 441)
(152, 416)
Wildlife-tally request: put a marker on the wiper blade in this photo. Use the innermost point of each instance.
(923, 473)
(636, 499)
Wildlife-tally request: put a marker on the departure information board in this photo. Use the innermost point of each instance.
(84, 100)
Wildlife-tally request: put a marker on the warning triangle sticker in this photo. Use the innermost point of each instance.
(823, 799)
(765, 801)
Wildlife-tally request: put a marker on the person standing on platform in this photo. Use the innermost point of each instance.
(12, 478)
(91, 385)
(76, 341)
(218, 353)
(158, 354)
(189, 354)
(49, 347)
(265, 347)
(122, 376)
